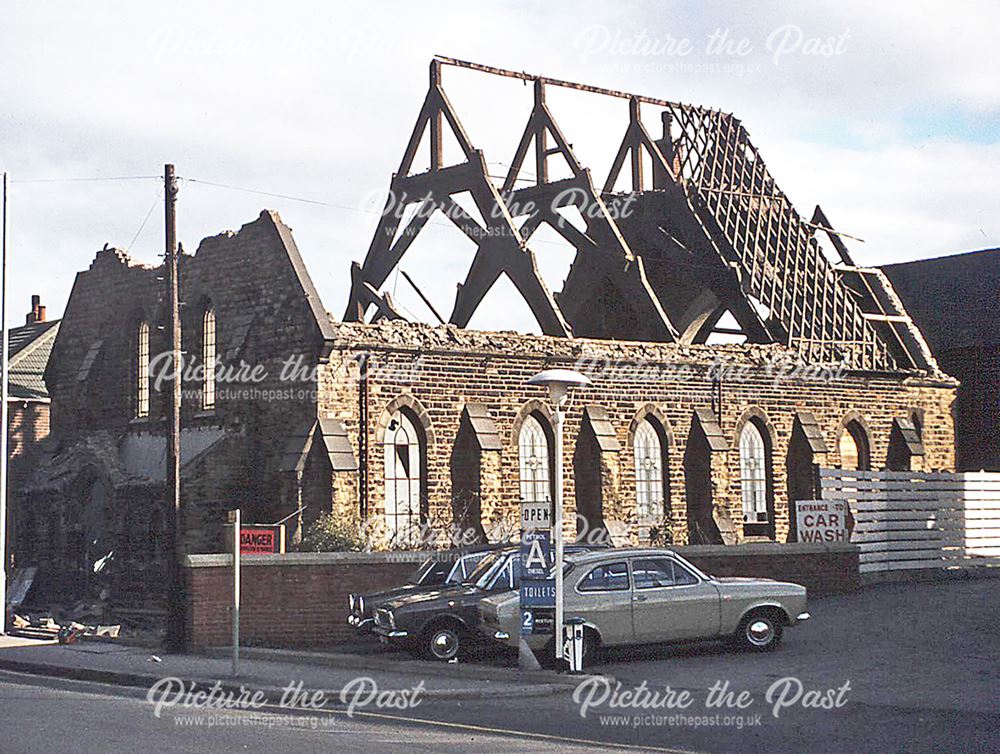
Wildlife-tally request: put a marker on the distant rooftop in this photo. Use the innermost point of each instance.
(28, 350)
(955, 300)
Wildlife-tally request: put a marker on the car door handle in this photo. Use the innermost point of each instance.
(639, 598)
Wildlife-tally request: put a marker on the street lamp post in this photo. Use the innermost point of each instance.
(559, 382)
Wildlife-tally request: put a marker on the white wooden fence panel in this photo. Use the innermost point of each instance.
(906, 520)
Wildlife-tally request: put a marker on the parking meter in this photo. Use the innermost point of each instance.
(573, 644)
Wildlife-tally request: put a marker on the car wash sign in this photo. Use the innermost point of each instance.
(536, 589)
(821, 520)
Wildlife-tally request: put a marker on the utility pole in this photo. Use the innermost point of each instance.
(3, 419)
(176, 618)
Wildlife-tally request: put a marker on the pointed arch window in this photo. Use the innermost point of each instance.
(533, 451)
(853, 446)
(142, 370)
(403, 447)
(753, 474)
(208, 359)
(649, 486)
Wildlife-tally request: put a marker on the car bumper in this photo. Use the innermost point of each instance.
(392, 634)
(360, 624)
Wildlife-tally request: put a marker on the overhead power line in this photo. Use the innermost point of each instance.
(89, 179)
(279, 196)
(142, 225)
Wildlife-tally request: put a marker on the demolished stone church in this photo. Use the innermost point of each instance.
(289, 411)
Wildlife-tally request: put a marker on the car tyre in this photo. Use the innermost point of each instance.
(759, 632)
(441, 643)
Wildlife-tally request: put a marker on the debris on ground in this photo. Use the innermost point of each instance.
(71, 633)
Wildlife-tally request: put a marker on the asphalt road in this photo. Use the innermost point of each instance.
(922, 662)
(43, 716)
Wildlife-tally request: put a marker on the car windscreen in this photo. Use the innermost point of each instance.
(485, 569)
(431, 571)
(464, 567)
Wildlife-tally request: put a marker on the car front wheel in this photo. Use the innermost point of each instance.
(759, 632)
(441, 643)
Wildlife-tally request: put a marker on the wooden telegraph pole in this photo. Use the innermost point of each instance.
(176, 618)
(4, 557)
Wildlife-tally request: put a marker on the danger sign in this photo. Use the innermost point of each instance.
(260, 540)
(821, 520)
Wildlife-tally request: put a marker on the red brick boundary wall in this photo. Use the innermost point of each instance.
(299, 600)
(822, 568)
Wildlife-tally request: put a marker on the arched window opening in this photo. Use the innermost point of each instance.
(142, 370)
(853, 446)
(533, 449)
(208, 359)
(702, 527)
(403, 446)
(753, 474)
(799, 475)
(650, 490)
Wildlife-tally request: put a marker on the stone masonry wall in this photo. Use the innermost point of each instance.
(435, 371)
(267, 315)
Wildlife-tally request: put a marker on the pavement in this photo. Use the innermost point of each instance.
(272, 670)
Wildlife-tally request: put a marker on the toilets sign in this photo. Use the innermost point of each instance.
(821, 520)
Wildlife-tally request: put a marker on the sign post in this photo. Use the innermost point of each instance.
(235, 520)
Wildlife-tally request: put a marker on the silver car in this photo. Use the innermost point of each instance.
(651, 596)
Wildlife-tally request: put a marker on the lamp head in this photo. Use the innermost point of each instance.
(559, 382)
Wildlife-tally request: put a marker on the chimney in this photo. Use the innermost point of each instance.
(37, 313)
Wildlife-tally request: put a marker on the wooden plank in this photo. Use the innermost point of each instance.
(908, 557)
(883, 545)
(888, 531)
(900, 484)
(967, 563)
(889, 475)
(881, 497)
(865, 516)
(897, 555)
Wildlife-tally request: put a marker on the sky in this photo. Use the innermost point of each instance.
(887, 114)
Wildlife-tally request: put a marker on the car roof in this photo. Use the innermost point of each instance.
(461, 552)
(582, 558)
